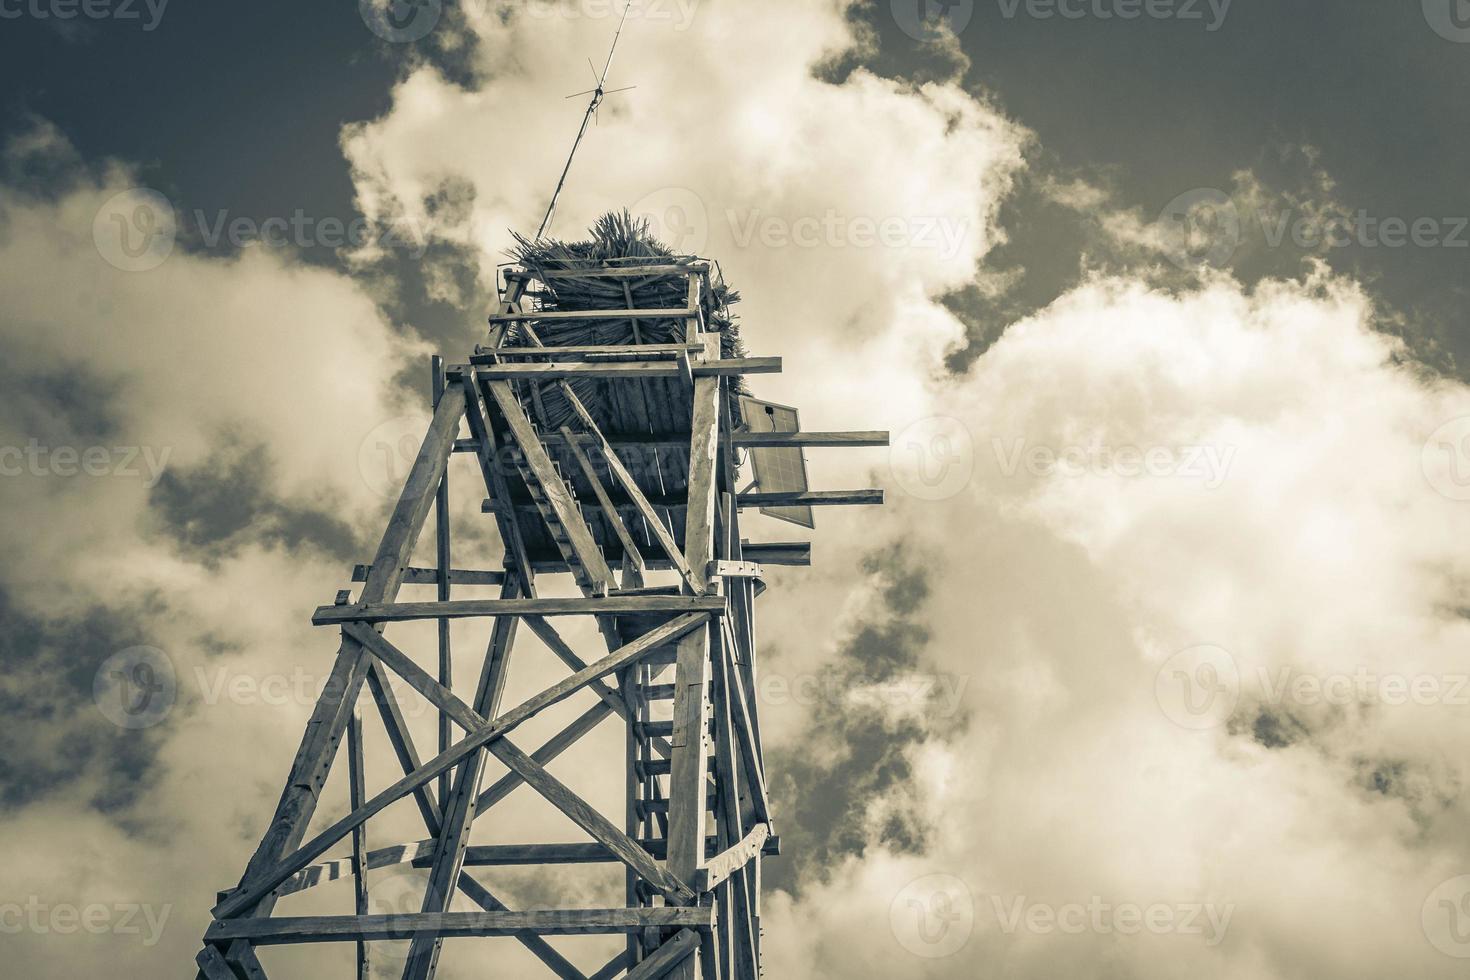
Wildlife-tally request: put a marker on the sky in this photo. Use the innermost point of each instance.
(1151, 666)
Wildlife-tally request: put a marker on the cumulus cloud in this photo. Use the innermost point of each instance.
(1083, 570)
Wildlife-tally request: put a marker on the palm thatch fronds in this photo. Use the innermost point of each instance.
(616, 240)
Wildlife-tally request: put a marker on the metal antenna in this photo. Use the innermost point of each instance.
(597, 93)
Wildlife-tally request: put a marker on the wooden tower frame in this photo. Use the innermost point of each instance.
(657, 495)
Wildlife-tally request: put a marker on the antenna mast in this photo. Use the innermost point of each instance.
(597, 94)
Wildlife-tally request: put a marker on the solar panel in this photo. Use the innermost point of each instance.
(777, 469)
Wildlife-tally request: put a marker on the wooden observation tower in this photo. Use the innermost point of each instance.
(608, 418)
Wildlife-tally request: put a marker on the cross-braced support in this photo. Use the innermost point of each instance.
(677, 664)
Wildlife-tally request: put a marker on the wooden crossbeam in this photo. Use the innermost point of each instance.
(579, 539)
(421, 853)
(792, 498)
(620, 370)
(373, 928)
(495, 483)
(574, 352)
(401, 739)
(671, 953)
(483, 734)
(459, 804)
(831, 440)
(632, 557)
(614, 605)
(675, 313)
(543, 950)
(613, 272)
(811, 498)
(723, 865)
(333, 712)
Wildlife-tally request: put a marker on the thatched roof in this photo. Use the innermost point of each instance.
(650, 409)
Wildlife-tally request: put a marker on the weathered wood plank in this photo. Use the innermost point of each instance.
(668, 955)
(723, 865)
(541, 922)
(601, 829)
(554, 488)
(703, 448)
(622, 369)
(543, 950)
(470, 608)
(674, 313)
(332, 712)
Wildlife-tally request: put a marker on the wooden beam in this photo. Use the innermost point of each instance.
(573, 352)
(807, 498)
(356, 795)
(614, 272)
(430, 576)
(631, 556)
(620, 370)
(777, 552)
(578, 535)
(401, 739)
(723, 865)
(333, 711)
(543, 950)
(676, 313)
(811, 498)
(584, 815)
(483, 734)
(459, 804)
(699, 518)
(548, 751)
(614, 605)
(495, 483)
(671, 953)
(673, 441)
(540, 922)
